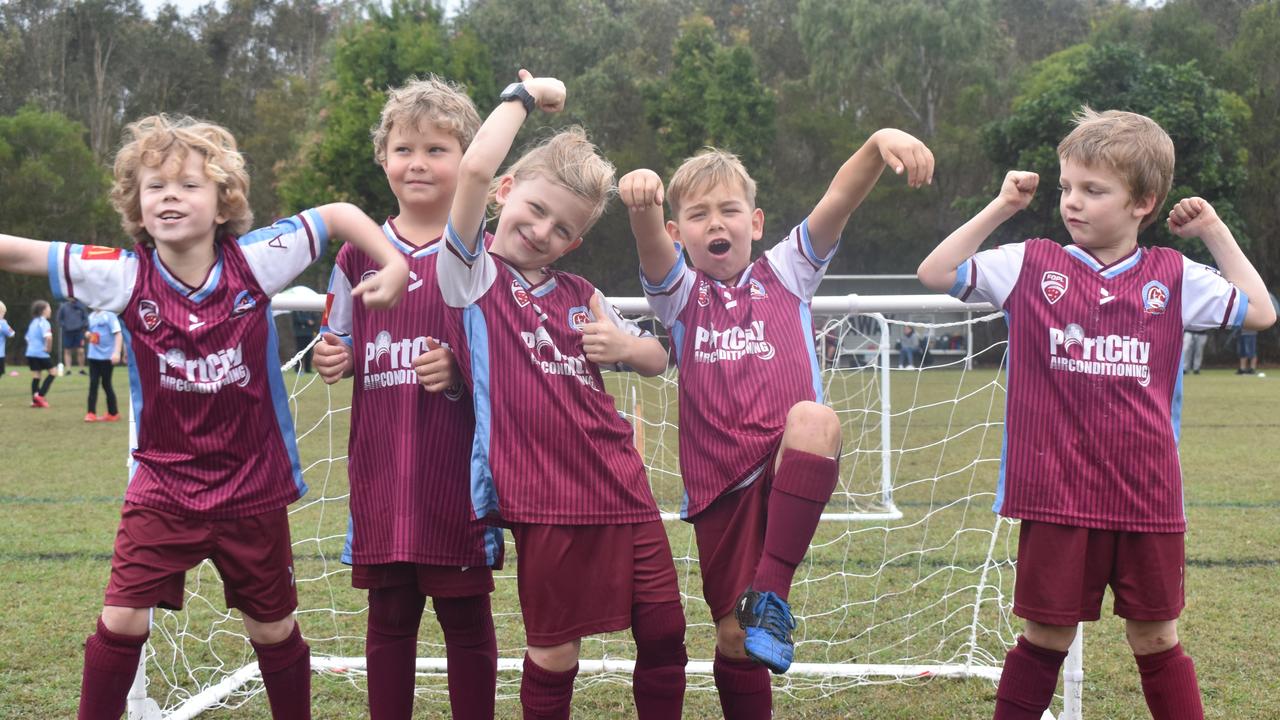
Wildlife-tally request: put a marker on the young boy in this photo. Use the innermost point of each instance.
(551, 458)
(760, 464)
(215, 462)
(105, 340)
(6, 332)
(39, 339)
(411, 534)
(1091, 424)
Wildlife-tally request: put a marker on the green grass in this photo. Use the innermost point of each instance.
(61, 483)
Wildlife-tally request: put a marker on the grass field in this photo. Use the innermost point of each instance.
(871, 592)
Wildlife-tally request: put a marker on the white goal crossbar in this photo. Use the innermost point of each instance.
(877, 344)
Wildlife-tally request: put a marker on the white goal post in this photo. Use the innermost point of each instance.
(910, 575)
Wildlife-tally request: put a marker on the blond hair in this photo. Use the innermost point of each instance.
(151, 141)
(571, 161)
(430, 99)
(1131, 145)
(710, 168)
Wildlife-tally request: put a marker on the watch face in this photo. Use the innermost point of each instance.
(510, 91)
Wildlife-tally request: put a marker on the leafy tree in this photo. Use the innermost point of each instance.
(51, 188)
(1201, 119)
(712, 97)
(336, 159)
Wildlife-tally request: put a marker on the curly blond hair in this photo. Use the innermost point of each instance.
(431, 99)
(709, 169)
(1131, 145)
(570, 160)
(152, 141)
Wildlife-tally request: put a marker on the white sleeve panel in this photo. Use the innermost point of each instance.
(989, 276)
(279, 253)
(796, 264)
(464, 275)
(1209, 300)
(100, 277)
(669, 297)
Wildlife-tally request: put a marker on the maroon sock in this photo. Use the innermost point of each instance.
(745, 689)
(472, 653)
(658, 681)
(390, 649)
(110, 664)
(801, 488)
(1027, 682)
(545, 694)
(286, 673)
(1169, 684)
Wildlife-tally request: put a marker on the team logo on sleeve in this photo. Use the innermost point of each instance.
(1155, 297)
(243, 304)
(578, 316)
(1054, 285)
(757, 290)
(99, 252)
(149, 314)
(520, 294)
(704, 293)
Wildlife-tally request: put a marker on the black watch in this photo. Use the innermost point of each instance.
(517, 91)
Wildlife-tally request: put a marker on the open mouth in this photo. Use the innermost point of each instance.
(719, 247)
(171, 215)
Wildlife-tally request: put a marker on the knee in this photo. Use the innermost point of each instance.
(1149, 638)
(1050, 637)
(269, 633)
(126, 620)
(812, 427)
(659, 633)
(395, 611)
(556, 658)
(731, 638)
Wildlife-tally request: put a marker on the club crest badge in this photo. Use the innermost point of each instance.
(519, 293)
(1054, 285)
(757, 290)
(578, 316)
(704, 294)
(149, 314)
(243, 304)
(1155, 298)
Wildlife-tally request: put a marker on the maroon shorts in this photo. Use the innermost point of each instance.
(443, 581)
(579, 580)
(1063, 572)
(154, 549)
(730, 534)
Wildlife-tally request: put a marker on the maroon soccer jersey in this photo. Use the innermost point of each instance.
(409, 450)
(1094, 362)
(746, 356)
(214, 435)
(549, 446)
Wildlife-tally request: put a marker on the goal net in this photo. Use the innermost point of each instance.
(910, 575)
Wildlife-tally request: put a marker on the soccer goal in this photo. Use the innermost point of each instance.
(909, 577)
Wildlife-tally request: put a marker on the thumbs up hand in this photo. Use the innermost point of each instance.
(604, 342)
(331, 358)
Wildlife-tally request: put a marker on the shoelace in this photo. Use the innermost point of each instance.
(775, 617)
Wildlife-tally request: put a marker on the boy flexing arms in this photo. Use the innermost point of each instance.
(216, 462)
(551, 457)
(411, 534)
(1091, 424)
(758, 450)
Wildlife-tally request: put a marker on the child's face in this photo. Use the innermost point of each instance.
(422, 166)
(179, 202)
(541, 221)
(1097, 208)
(717, 228)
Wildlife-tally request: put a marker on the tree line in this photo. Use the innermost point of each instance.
(792, 86)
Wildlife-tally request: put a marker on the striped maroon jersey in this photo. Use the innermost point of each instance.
(214, 435)
(1095, 381)
(746, 356)
(550, 446)
(409, 450)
